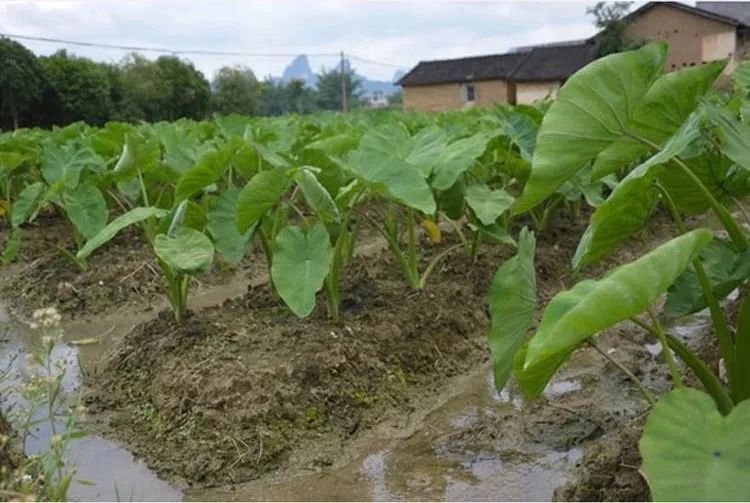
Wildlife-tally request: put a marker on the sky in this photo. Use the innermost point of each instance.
(396, 32)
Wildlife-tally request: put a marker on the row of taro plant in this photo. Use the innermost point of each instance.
(686, 149)
(300, 188)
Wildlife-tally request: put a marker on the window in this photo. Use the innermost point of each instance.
(471, 92)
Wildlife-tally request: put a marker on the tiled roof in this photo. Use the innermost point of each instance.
(552, 62)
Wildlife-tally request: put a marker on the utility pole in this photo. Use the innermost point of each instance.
(344, 104)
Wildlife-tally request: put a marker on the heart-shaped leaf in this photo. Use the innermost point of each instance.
(488, 204)
(300, 265)
(86, 208)
(188, 251)
(693, 453)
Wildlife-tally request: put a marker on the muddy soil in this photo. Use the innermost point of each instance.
(121, 275)
(245, 389)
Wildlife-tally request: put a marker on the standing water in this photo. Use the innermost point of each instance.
(104, 471)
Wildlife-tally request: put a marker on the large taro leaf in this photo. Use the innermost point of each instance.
(456, 159)
(207, 171)
(111, 229)
(186, 250)
(86, 208)
(693, 453)
(300, 265)
(725, 268)
(666, 106)
(394, 179)
(592, 111)
(138, 154)
(522, 131)
(64, 164)
(488, 204)
(627, 209)
(427, 149)
(591, 306)
(715, 172)
(735, 135)
(260, 194)
(222, 225)
(512, 303)
(27, 203)
(317, 196)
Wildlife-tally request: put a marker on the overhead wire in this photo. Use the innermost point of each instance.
(197, 52)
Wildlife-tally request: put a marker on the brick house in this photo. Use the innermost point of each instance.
(696, 35)
(515, 77)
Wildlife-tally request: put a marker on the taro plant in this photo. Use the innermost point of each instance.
(69, 181)
(407, 172)
(309, 254)
(620, 113)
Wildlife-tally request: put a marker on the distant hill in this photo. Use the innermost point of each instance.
(300, 69)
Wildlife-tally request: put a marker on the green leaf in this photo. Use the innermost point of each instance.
(735, 135)
(666, 106)
(452, 201)
(725, 268)
(86, 208)
(627, 209)
(111, 229)
(592, 111)
(457, 158)
(205, 172)
(522, 131)
(512, 304)
(693, 453)
(222, 225)
(395, 179)
(65, 163)
(262, 192)
(12, 245)
(300, 265)
(27, 203)
(591, 306)
(317, 196)
(137, 154)
(428, 149)
(188, 251)
(488, 204)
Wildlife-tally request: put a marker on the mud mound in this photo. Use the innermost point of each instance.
(228, 395)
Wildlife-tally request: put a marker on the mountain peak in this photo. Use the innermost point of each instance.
(299, 69)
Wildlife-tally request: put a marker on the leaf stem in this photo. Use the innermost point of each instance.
(717, 314)
(645, 392)
(658, 331)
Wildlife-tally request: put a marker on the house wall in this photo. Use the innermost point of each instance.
(440, 97)
(529, 92)
(693, 40)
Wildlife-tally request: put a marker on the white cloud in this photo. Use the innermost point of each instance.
(402, 32)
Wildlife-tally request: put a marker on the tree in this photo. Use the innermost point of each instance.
(608, 17)
(396, 100)
(329, 89)
(79, 89)
(165, 89)
(21, 83)
(284, 98)
(235, 90)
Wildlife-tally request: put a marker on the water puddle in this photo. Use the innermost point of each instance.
(109, 472)
(476, 445)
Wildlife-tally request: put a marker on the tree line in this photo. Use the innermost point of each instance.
(62, 88)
